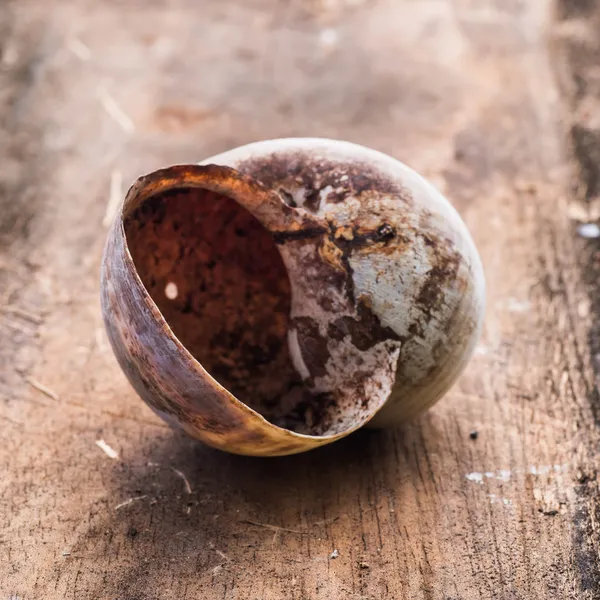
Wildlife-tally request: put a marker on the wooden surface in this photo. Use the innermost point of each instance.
(497, 101)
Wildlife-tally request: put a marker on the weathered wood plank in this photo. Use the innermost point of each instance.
(576, 46)
(463, 91)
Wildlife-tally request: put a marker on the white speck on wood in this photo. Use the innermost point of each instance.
(504, 475)
(328, 39)
(107, 449)
(577, 211)
(516, 305)
(334, 554)
(583, 308)
(476, 477)
(588, 230)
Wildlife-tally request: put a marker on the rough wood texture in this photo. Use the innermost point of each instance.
(464, 91)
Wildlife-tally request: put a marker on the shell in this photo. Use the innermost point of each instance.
(279, 296)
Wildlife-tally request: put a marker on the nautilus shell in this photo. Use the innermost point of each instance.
(281, 295)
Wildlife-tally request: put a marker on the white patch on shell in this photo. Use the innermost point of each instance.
(392, 283)
(296, 354)
(324, 193)
(299, 195)
(373, 388)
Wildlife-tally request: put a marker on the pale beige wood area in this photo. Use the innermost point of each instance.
(479, 95)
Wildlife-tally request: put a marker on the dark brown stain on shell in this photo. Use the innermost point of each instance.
(315, 412)
(286, 171)
(281, 237)
(441, 350)
(365, 330)
(441, 276)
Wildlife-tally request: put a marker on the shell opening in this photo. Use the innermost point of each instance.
(217, 277)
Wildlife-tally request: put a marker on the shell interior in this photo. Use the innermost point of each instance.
(218, 278)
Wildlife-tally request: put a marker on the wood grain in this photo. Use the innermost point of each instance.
(482, 97)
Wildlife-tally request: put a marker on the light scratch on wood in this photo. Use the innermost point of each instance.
(107, 449)
(99, 339)
(79, 49)
(325, 521)
(130, 501)
(10, 289)
(115, 111)
(11, 421)
(114, 197)
(188, 487)
(18, 327)
(40, 387)
(272, 527)
(10, 55)
(223, 555)
(25, 314)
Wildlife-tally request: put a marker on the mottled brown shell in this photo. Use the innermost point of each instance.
(281, 295)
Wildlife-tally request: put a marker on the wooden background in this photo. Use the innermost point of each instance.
(498, 102)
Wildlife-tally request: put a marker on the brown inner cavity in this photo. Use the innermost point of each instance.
(218, 279)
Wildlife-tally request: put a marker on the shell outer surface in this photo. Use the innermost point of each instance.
(387, 293)
(413, 268)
